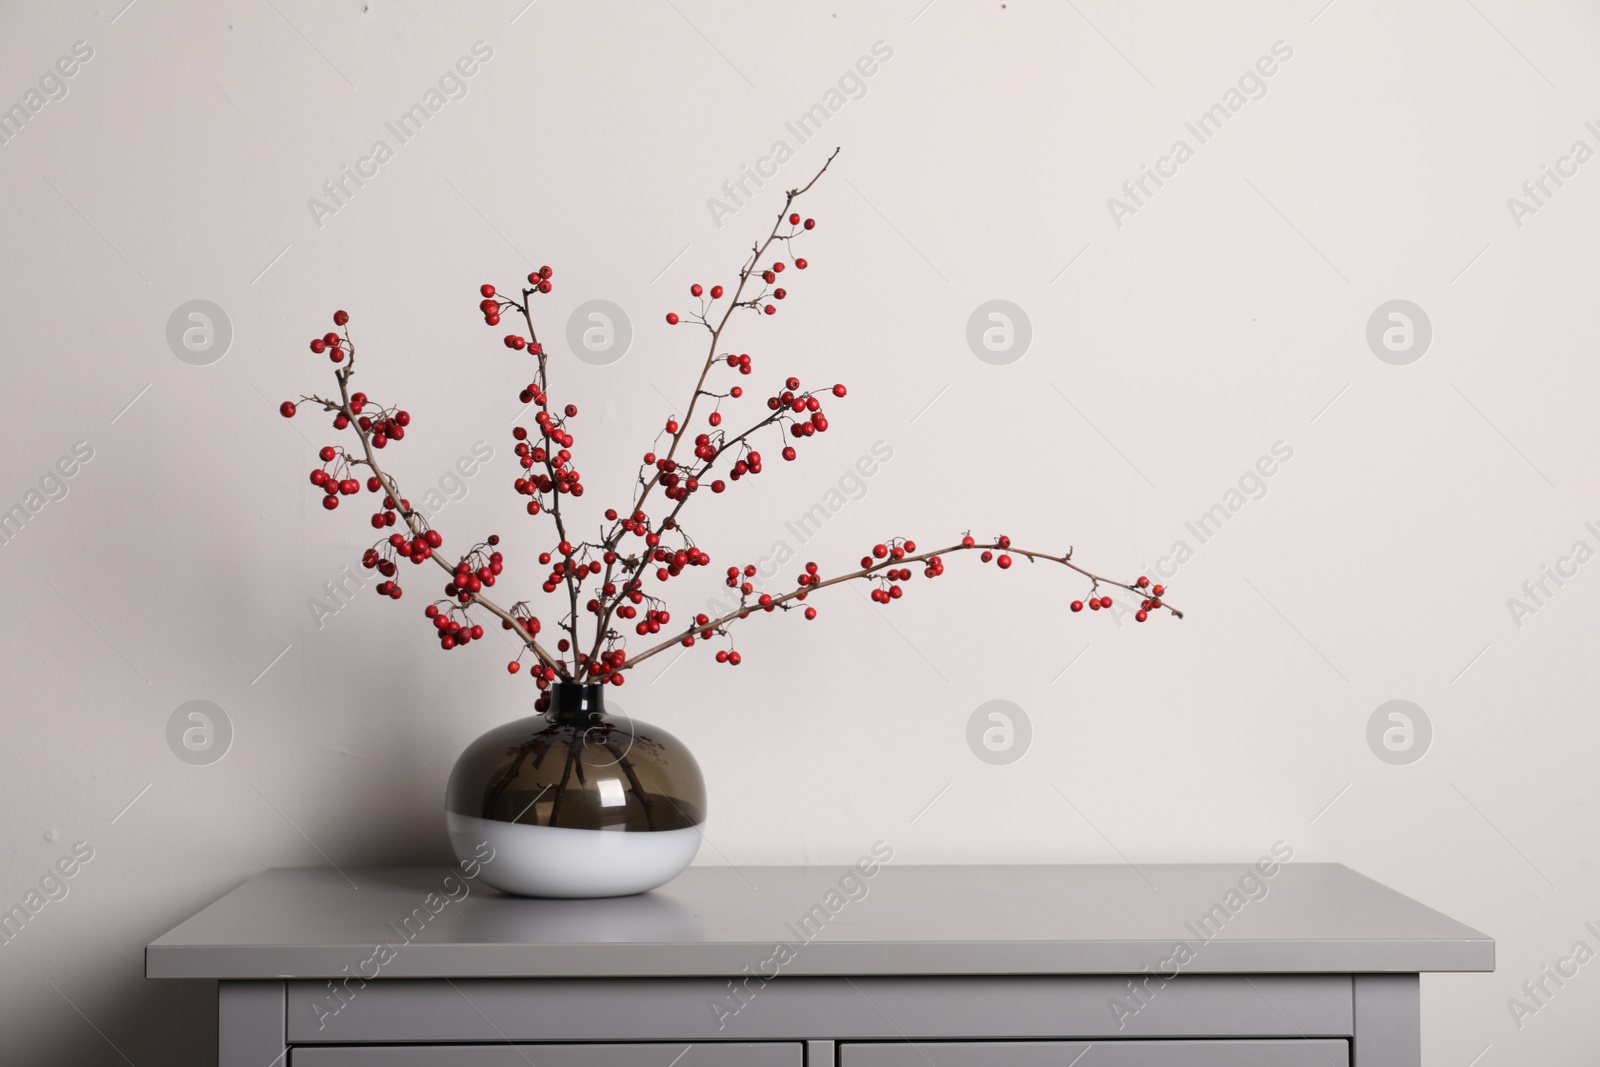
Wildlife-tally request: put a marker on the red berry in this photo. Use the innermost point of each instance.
(800, 263)
(1141, 615)
(838, 390)
(341, 317)
(811, 224)
(331, 340)
(327, 453)
(672, 318)
(330, 502)
(513, 666)
(716, 292)
(1077, 605)
(770, 310)
(1158, 590)
(695, 290)
(1004, 561)
(486, 290)
(794, 220)
(286, 409)
(780, 293)
(1142, 582)
(319, 346)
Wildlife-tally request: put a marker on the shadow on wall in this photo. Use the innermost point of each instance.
(149, 1022)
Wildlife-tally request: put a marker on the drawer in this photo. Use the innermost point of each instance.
(702, 1054)
(470, 1011)
(1277, 1053)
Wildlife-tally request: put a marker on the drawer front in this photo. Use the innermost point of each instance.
(1280, 1053)
(465, 1011)
(705, 1054)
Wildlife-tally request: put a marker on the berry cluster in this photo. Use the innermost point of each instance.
(473, 572)
(603, 579)
(377, 426)
(492, 305)
(888, 581)
(769, 278)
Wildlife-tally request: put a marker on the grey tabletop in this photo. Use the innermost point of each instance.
(1306, 918)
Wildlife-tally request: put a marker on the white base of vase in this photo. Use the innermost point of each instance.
(546, 861)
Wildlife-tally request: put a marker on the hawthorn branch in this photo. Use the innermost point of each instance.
(568, 575)
(716, 332)
(624, 571)
(610, 604)
(671, 522)
(393, 491)
(803, 591)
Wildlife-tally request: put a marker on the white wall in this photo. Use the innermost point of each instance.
(1228, 313)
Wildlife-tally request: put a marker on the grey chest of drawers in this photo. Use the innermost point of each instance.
(872, 965)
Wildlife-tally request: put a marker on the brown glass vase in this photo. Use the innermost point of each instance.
(576, 802)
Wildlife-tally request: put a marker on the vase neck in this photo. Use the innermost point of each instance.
(569, 700)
